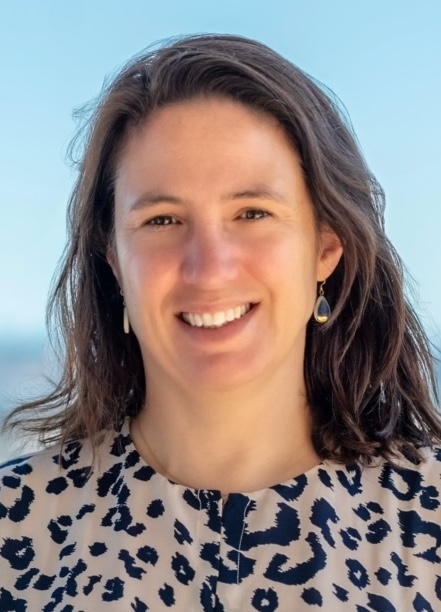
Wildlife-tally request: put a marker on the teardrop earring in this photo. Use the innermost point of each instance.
(126, 322)
(322, 310)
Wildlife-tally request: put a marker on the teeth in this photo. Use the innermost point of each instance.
(215, 319)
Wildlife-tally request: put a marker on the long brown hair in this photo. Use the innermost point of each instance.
(369, 373)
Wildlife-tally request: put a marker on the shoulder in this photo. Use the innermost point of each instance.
(407, 480)
(57, 470)
(24, 479)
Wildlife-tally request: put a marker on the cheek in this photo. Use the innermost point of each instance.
(288, 268)
(148, 273)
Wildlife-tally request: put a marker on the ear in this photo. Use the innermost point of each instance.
(330, 252)
(112, 260)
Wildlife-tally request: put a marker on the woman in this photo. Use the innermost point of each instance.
(247, 414)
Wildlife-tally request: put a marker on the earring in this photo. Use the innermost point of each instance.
(322, 310)
(126, 322)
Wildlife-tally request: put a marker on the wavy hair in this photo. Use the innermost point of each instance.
(369, 372)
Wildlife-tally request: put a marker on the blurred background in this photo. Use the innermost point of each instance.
(381, 58)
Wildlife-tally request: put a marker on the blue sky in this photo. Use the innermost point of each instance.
(382, 58)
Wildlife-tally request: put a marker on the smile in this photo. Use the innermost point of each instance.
(216, 319)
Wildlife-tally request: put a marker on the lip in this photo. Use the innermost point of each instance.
(218, 318)
(219, 334)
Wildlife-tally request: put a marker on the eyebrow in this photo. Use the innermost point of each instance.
(260, 192)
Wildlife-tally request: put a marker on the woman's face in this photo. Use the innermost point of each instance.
(216, 249)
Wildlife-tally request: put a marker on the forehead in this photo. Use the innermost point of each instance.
(204, 128)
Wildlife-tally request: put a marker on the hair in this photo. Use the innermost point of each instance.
(369, 373)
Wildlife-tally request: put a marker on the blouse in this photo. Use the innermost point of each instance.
(75, 535)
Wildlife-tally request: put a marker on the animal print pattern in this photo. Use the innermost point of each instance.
(73, 538)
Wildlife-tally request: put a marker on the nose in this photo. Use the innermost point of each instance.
(210, 257)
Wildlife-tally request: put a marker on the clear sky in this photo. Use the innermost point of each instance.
(381, 57)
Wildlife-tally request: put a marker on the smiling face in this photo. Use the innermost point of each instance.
(216, 248)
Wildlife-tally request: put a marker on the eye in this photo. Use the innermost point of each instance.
(161, 221)
(254, 214)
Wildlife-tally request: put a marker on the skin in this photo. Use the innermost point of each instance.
(212, 212)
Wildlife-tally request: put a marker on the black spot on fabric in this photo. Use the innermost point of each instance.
(302, 571)
(182, 569)
(420, 604)
(123, 493)
(167, 595)
(438, 588)
(8, 603)
(208, 598)
(97, 549)
(19, 552)
(130, 566)
(65, 520)
(148, 555)
(313, 597)
(351, 538)
(131, 459)
(144, 473)
(293, 491)
(351, 480)
(44, 582)
(181, 533)
(325, 478)
(192, 499)
(404, 579)
(71, 583)
(378, 531)
(243, 567)
(378, 603)
(206, 501)
(57, 485)
(23, 469)
(86, 509)
(120, 519)
(323, 513)
(405, 484)
(80, 476)
(93, 580)
(57, 597)
(58, 534)
(284, 530)
(114, 588)
(340, 592)
(375, 507)
(139, 606)
(383, 576)
(412, 525)
(108, 479)
(156, 508)
(210, 553)
(120, 444)
(429, 498)
(24, 580)
(67, 551)
(357, 573)
(363, 512)
(22, 506)
(69, 455)
(12, 482)
(265, 600)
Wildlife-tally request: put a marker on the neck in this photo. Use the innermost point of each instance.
(237, 441)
